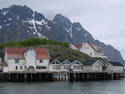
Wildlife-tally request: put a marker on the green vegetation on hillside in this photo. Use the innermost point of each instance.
(33, 42)
(57, 50)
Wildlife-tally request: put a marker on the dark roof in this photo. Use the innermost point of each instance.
(55, 61)
(66, 61)
(116, 63)
(89, 62)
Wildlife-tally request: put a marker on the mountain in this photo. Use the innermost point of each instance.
(21, 22)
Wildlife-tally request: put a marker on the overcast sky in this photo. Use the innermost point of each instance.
(104, 19)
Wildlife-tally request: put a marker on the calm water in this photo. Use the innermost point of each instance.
(94, 87)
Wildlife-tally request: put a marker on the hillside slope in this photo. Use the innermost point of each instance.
(57, 50)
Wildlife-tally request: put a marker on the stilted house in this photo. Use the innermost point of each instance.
(94, 66)
(66, 65)
(115, 67)
(55, 66)
(77, 66)
(26, 60)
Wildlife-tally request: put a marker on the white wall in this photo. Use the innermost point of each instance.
(97, 67)
(75, 67)
(45, 63)
(55, 70)
(90, 51)
(30, 56)
(12, 65)
(87, 68)
(5, 69)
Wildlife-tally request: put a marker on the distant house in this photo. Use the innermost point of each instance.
(26, 59)
(93, 66)
(90, 49)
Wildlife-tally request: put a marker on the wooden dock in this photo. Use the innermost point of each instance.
(58, 76)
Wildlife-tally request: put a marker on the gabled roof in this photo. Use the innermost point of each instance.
(76, 62)
(55, 61)
(116, 63)
(78, 46)
(66, 62)
(94, 47)
(41, 53)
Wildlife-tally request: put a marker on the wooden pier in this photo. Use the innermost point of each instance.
(58, 76)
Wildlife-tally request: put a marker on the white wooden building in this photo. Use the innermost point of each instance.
(77, 66)
(115, 67)
(99, 65)
(26, 60)
(94, 66)
(89, 49)
(55, 66)
(65, 66)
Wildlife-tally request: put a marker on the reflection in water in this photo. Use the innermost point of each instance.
(93, 87)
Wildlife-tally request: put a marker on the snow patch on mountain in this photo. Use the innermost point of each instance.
(9, 19)
(86, 34)
(42, 22)
(4, 12)
(69, 31)
(78, 29)
(17, 17)
(34, 25)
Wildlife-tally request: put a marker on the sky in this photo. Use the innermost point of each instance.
(104, 19)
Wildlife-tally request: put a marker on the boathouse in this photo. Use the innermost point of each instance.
(116, 67)
(26, 60)
(94, 66)
(65, 66)
(55, 66)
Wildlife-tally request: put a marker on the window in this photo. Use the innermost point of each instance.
(90, 54)
(16, 60)
(54, 67)
(58, 67)
(16, 67)
(25, 67)
(64, 66)
(41, 67)
(74, 67)
(41, 61)
(20, 67)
